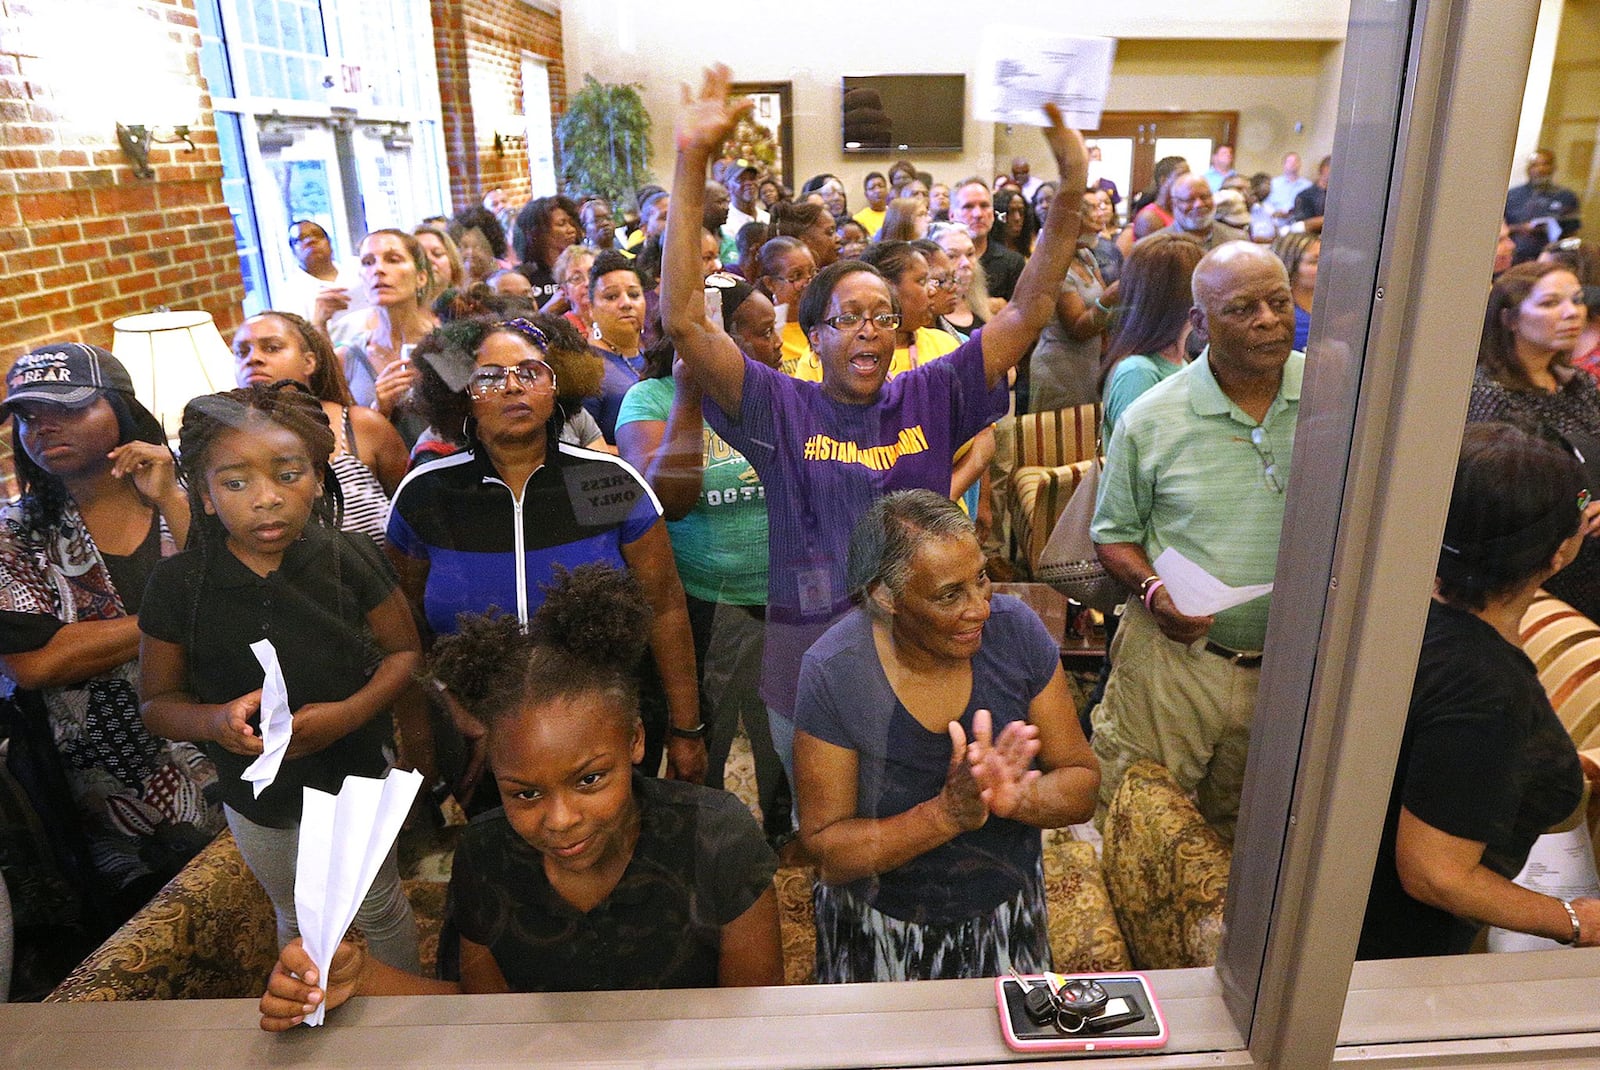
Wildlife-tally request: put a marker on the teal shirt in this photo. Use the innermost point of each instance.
(721, 546)
(1133, 375)
(1181, 471)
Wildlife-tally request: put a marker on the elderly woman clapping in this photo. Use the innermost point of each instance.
(936, 738)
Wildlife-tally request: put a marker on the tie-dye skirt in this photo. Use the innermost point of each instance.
(858, 943)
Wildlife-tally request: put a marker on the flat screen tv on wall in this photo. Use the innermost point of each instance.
(888, 113)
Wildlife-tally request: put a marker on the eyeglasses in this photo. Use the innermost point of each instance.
(849, 321)
(493, 379)
(942, 282)
(799, 278)
(1258, 439)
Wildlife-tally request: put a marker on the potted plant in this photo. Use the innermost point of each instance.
(605, 142)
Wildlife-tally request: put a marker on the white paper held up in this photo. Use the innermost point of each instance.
(276, 720)
(343, 841)
(1196, 592)
(1019, 71)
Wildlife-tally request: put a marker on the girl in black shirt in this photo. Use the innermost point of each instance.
(590, 876)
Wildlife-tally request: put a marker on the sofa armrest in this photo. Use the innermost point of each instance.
(1084, 935)
(1166, 870)
(209, 934)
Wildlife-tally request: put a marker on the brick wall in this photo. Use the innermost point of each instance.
(82, 240)
(479, 46)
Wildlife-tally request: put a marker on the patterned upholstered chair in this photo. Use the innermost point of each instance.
(1038, 497)
(1056, 437)
(209, 934)
(1167, 871)
(1049, 446)
(1564, 645)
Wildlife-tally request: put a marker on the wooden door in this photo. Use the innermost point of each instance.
(1131, 142)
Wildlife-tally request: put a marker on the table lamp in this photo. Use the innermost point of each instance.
(173, 357)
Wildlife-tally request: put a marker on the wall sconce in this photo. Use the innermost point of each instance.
(397, 137)
(136, 140)
(502, 142)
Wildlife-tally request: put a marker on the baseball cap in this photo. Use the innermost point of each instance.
(1231, 208)
(65, 373)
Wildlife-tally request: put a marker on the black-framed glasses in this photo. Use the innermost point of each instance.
(849, 321)
(942, 282)
(492, 379)
(1269, 463)
(530, 331)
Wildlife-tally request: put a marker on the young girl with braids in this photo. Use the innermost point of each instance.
(590, 876)
(269, 562)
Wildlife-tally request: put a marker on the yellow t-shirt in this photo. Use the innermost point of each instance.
(871, 220)
(797, 352)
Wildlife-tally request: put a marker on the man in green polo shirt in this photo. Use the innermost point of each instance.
(1200, 463)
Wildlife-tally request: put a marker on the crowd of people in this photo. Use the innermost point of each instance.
(542, 506)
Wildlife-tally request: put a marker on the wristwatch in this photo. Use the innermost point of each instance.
(697, 732)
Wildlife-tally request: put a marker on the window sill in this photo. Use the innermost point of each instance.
(937, 1023)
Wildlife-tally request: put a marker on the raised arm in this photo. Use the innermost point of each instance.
(1007, 337)
(710, 355)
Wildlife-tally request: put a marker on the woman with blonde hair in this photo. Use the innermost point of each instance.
(973, 309)
(906, 219)
(571, 270)
(375, 358)
(444, 260)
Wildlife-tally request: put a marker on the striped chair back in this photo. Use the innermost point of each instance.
(1058, 436)
(1564, 646)
(1041, 495)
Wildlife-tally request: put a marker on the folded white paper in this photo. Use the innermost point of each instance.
(276, 720)
(343, 841)
(1196, 592)
(1561, 864)
(1019, 71)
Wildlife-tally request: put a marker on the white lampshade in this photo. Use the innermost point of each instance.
(173, 357)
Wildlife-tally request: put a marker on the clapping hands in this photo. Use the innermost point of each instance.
(988, 775)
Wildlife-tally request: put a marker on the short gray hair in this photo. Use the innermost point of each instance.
(888, 534)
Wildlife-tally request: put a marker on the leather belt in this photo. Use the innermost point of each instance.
(1238, 657)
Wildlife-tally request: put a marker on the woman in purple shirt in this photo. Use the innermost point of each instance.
(826, 451)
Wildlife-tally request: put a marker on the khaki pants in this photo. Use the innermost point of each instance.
(1182, 706)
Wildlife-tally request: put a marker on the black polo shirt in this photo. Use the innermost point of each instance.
(314, 610)
(1002, 267)
(700, 862)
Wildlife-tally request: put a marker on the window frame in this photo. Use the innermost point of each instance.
(1386, 392)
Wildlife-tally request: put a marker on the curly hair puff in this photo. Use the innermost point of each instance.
(586, 640)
